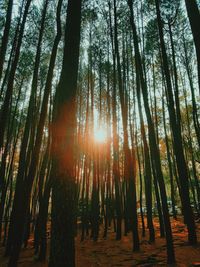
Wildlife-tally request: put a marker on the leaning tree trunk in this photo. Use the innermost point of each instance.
(4, 42)
(192, 90)
(153, 143)
(29, 179)
(8, 95)
(194, 18)
(176, 132)
(22, 189)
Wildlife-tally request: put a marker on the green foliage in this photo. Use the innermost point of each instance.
(152, 38)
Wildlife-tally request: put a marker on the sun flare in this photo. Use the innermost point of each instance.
(100, 135)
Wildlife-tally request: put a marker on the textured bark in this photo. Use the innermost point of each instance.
(194, 18)
(62, 250)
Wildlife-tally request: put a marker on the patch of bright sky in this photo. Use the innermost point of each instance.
(17, 4)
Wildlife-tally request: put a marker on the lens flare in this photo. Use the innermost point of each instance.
(100, 135)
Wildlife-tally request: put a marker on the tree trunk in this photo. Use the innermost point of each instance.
(176, 132)
(4, 42)
(62, 250)
(153, 144)
(194, 18)
(130, 171)
(6, 104)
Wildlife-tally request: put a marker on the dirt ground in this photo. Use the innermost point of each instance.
(114, 253)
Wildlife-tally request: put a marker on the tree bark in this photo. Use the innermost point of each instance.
(62, 248)
(194, 18)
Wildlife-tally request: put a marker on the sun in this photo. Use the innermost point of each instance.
(100, 135)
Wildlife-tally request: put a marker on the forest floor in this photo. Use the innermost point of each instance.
(114, 253)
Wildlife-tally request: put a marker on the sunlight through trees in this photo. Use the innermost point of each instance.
(99, 127)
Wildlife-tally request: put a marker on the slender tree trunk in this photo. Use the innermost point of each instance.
(130, 172)
(194, 104)
(153, 144)
(169, 163)
(4, 41)
(23, 189)
(7, 100)
(176, 132)
(116, 173)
